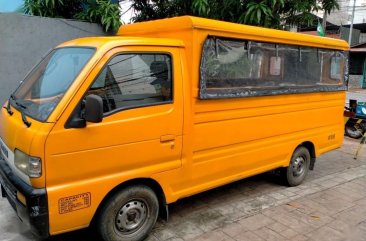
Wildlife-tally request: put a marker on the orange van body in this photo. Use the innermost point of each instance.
(179, 149)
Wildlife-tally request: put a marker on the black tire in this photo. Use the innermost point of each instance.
(353, 132)
(128, 215)
(296, 172)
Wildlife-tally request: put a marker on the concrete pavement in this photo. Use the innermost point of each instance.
(356, 94)
(329, 205)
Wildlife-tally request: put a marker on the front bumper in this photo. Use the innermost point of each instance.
(35, 213)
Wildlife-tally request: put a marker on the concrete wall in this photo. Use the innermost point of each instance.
(363, 38)
(354, 82)
(24, 40)
(355, 35)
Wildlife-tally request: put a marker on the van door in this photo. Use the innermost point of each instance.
(141, 132)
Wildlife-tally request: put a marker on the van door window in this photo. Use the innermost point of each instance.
(134, 80)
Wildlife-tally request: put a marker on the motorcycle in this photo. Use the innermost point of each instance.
(355, 123)
(354, 128)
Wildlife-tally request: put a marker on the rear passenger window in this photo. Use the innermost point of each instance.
(232, 68)
(134, 80)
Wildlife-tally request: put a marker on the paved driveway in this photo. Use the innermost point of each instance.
(330, 205)
(359, 95)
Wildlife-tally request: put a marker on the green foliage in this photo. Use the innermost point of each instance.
(268, 13)
(329, 5)
(95, 11)
(201, 7)
(52, 8)
(157, 9)
(299, 12)
(103, 12)
(254, 13)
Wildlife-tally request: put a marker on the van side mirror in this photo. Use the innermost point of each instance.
(93, 109)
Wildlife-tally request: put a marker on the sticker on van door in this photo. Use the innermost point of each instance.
(73, 203)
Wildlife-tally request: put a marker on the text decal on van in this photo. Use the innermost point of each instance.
(73, 203)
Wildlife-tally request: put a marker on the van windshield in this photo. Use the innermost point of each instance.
(44, 87)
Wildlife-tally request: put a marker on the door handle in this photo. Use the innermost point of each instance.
(167, 138)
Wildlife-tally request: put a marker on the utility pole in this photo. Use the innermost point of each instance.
(353, 16)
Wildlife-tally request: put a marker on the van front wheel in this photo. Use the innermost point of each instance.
(296, 172)
(129, 214)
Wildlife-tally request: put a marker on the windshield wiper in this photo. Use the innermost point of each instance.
(8, 108)
(24, 118)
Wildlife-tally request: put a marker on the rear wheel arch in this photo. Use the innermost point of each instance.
(311, 148)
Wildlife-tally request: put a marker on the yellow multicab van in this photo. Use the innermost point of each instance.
(110, 130)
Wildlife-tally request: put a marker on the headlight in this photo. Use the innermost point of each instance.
(29, 165)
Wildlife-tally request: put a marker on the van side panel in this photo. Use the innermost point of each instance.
(259, 134)
(231, 139)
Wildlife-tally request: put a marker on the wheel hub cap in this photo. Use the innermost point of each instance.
(131, 216)
(298, 166)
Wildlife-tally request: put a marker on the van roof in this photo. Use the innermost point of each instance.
(115, 41)
(184, 23)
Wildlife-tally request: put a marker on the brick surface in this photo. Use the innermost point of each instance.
(326, 234)
(216, 235)
(277, 227)
(268, 234)
(300, 238)
(234, 229)
(289, 233)
(256, 222)
(329, 205)
(248, 236)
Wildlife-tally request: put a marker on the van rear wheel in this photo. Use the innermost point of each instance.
(298, 169)
(129, 214)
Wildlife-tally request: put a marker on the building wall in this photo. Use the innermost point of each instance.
(363, 38)
(354, 82)
(355, 35)
(343, 15)
(25, 39)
